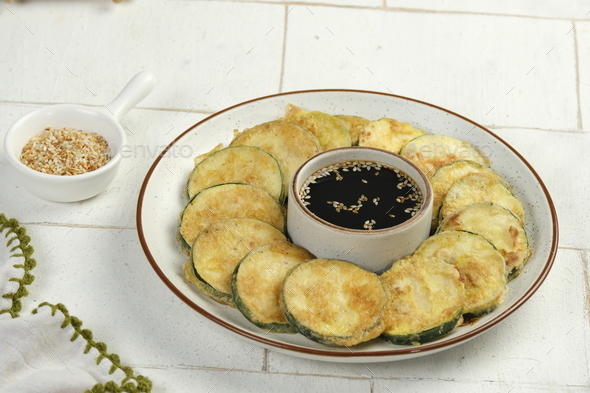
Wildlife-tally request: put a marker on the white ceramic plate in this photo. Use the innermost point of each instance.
(161, 200)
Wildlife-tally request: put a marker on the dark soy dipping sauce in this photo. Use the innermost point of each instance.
(361, 195)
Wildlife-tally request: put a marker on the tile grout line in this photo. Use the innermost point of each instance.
(183, 110)
(344, 377)
(204, 112)
(501, 127)
(233, 370)
(284, 49)
(266, 355)
(574, 249)
(68, 225)
(409, 10)
(577, 64)
(586, 273)
(429, 11)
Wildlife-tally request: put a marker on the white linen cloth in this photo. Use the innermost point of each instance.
(48, 350)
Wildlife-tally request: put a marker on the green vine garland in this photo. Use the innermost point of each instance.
(131, 383)
(22, 249)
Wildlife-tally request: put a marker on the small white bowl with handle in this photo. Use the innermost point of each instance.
(103, 121)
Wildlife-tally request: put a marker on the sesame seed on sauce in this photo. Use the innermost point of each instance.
(336, 194)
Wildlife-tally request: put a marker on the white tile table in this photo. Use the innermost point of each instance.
(520, 67)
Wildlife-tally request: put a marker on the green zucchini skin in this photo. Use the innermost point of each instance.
(480, 187)
(263, 207)
(221, 297)
(184, 246)
(447, 175)
(310, 334)
(238, 164)
(493, 222)
(269, 327)
(426, 300)
(256, 283)
(425, 336)
(343, 309)
(482, 267)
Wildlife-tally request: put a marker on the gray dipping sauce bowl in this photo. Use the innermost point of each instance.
(373, 250)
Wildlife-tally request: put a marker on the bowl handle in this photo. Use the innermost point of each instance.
(136, 90)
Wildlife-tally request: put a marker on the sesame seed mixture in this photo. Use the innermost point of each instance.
(65, 152)
(361, 195)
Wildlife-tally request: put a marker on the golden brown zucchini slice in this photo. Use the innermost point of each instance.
(431, 152)
(355, 125)
(388, 134)
(426, 299)
(256, 283)
(498, 225)
(333, 302)
(227, 201)
(482, 267)
(331, 131)
(218, 249)
(447, 175)
(198, 159)
(221, 298)
(480, 187)
(289, 143)
(239, 164)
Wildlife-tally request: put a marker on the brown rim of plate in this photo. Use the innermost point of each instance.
(424, 348)
(428, 194)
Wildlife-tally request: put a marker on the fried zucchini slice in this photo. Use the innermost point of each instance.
(498, 225)
(447, 175)
(333, 302)
(482, 267)
(190, 275)
(289, 143)
(228, 200)
(239, 164)
(218, 249)
(431, 152)
(256, 283)
(355, 125)
(426, 300)
(198, 159)
(330, 131)
(388, 134)
(480, 187)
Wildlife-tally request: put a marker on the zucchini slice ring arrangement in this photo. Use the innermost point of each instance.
(426, 300)
(388, 134)
(481, 266)
(334, 302)
(233, 229)
(257, 281)
(498, 225)
(218, 249)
